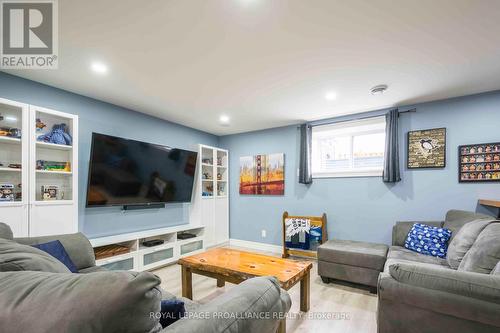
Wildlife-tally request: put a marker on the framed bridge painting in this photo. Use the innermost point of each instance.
(262, 174)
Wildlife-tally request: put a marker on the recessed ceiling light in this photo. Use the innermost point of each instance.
(99, 67)
(10, 118)
(224, 120)
(330, 96)
(378, 90)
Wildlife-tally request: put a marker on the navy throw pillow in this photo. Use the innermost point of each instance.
(425, 239)
(57, 250)
(171, 311)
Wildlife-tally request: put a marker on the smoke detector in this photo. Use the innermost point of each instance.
(378, 90)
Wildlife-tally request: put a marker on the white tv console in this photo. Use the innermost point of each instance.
(142, 258)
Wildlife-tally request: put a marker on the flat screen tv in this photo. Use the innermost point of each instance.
(125, 172)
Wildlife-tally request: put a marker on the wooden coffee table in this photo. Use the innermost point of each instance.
(237, 266)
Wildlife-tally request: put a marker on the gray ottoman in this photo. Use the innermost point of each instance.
(351, 261)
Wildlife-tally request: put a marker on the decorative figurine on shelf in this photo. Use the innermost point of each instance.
(40, 125)
(58, 135)
(15, 133)
(19, 193)
(210, 188)
(219, 176)
(11, 132)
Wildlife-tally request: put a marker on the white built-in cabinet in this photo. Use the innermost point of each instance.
(210, 204)
(141, 257)
(26, 211)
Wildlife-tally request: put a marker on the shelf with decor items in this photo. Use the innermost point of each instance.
(14, 203)
(129, 252)
(35, 173)
(210, 206)
(53, 171)
(48, 145)
(9, 140)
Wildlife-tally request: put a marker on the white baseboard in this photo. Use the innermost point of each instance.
(256, 245)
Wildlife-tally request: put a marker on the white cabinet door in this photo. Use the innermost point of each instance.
(53, 219)
(60, 215)
(221, 220)
(208, 215)
(14, 149)
(16, 217)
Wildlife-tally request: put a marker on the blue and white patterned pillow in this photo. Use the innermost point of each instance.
(424, 239)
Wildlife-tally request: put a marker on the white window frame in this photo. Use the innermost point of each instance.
(365, 172)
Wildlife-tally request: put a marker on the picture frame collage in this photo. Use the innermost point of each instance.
(478, 162)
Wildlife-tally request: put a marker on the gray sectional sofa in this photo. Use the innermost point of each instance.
(39, 294)
(421, 293)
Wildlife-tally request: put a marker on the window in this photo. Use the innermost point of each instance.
(349, 149)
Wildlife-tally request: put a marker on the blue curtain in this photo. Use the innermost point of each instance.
(391, 172)
(305, 174)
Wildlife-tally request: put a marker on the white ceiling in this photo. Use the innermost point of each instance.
(269, 63)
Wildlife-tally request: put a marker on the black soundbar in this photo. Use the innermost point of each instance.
(144, 206)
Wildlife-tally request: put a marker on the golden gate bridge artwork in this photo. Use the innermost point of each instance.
(262, 174)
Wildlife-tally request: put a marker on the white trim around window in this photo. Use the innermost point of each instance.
(349, 149)
(349, 174)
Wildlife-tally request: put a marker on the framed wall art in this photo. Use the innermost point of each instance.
(479, 162)
(426, 149)
(262, 174)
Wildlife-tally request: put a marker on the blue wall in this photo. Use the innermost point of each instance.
(97, 116)
(357, 208)
(366, 208)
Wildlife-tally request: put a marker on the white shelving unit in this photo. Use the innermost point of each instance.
(142, 258)
(49, 217)
(210, 206)
(29, 214)
(9, 140)
(14, 150)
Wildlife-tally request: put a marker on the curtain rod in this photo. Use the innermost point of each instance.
(410, 110)
(361, 118)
